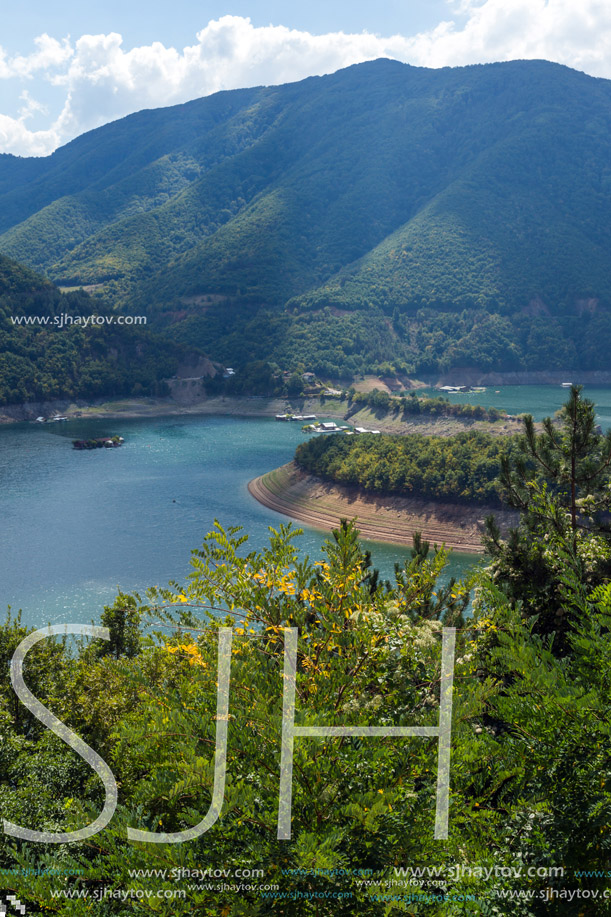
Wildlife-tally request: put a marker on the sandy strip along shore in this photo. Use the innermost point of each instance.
(250, 406)
(291, 491)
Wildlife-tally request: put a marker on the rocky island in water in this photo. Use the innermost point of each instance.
(103, 442)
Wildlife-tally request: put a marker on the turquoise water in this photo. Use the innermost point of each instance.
(77, 526)
(539, 400)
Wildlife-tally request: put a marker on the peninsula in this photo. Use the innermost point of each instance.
(321, 504)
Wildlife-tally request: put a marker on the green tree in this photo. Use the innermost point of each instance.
(559, 481)
(294, 385)
(122, 619)
(365, 656)
(546, 738)
(571, 455)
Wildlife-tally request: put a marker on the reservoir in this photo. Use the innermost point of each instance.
(539, 400)
(77, 526)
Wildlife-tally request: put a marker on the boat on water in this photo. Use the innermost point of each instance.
(461, 389)
(298, 417)
(566, 384)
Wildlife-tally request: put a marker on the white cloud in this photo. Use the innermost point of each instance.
(572, 32)
(50, 53)
(15, 137)
(102, 81)
(30, 106)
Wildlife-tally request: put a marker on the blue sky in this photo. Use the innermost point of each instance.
(176, 23)
(67, 67)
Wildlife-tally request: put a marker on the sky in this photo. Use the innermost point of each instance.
(68, 67)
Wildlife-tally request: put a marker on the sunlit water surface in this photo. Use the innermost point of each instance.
(77, 526)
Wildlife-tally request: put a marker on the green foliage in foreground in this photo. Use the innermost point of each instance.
(461, 468)
(41, 362)
(530, 802)
(560, 481)
(531, 766)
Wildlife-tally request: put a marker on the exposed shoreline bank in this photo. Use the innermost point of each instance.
(133, 408)
(262, 406)
(292, 492)
(248, 406)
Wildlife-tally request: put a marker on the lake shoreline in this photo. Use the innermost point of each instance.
(262, 406)
(251, 406)
(319, 504)
(134, 408)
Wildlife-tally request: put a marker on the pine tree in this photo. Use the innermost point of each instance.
(571, 455)
(561, 483)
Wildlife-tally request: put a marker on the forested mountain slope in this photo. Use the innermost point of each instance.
(427, 218)
(45, 354)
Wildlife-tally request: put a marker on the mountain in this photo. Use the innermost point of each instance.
(47, 351)
(385, 216)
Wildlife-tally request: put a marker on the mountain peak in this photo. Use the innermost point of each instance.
(384, 188)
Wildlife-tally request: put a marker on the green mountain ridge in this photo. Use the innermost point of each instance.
(452, 217)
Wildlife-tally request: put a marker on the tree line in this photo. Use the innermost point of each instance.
(464, 468)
